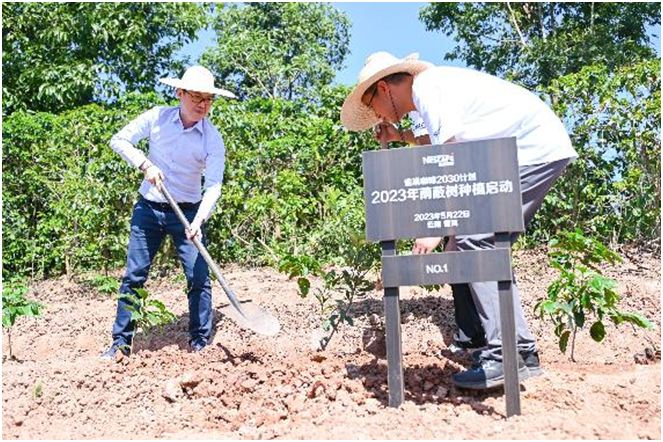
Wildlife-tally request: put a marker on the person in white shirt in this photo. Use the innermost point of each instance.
(184, 146)
(458, 104)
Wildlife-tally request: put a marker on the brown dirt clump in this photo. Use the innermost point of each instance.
(246, 386)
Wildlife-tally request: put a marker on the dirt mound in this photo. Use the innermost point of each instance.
(248, 386)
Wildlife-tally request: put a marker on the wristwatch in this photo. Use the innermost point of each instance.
(146, 165)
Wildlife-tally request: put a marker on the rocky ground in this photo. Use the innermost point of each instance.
(246, 386)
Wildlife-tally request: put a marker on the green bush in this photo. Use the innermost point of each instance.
(581, 293)
(614, 188)
(293, 178)
(67, 197)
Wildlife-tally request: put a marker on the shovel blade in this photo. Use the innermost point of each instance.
(255, 318)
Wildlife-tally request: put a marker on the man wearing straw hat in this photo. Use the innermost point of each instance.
(459, 104)
(183, 144)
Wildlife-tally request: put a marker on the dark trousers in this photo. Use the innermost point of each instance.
(477, 304)
(150, 224)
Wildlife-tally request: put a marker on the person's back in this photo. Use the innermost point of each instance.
(470, 105)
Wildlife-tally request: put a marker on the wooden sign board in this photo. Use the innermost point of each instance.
(452, 189)
(446, 268)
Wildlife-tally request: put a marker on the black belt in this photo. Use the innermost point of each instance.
(166, 206)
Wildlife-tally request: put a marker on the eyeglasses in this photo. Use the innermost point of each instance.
(197, 98)
(375, 91)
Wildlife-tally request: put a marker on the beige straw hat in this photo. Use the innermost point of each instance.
(355, 115)
(198, 79)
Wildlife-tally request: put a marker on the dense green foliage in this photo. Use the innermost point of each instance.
(614, 189)
(581, 293)
(293, 184)
(66, 197)
(278, 50)
(292, 178)
(533, 43)
(58, 56)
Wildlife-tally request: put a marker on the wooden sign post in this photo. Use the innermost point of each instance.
(453, 189)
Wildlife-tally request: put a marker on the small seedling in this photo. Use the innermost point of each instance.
(581, 291)
(147, 314)
(37, 392)
(351, 282)
(15, 304)
(105, 284)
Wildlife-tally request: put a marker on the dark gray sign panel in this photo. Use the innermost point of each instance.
(448, 267)
(452, 189)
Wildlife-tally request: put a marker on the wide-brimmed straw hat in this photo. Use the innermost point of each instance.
(198, 79)
(355, 115)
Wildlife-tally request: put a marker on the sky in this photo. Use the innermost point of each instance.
(383, 26)
(392, 27)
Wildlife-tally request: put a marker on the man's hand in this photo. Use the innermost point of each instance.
(195, 230)
(425, 245)
(153, 174)
(392, 133)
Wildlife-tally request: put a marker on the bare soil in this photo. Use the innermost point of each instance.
(246, 386)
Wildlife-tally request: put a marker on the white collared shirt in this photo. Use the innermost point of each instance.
(181, 154)
(470, 105)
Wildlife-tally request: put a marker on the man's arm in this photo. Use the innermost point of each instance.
(124, 142)
(214, 167)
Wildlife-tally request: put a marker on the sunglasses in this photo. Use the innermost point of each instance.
(197, 98)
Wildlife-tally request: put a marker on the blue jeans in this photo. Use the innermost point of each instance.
(149, 226)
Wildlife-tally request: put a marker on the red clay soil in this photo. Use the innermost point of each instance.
(246, 386)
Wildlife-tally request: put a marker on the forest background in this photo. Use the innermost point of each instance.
(75, 73)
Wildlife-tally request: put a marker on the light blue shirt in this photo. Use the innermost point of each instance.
(181, 154)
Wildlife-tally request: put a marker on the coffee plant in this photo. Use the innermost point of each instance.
(341, 286)
(15, 305)
(147, 314)
(581, 293)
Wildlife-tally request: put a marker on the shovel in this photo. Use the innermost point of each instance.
(249, 315)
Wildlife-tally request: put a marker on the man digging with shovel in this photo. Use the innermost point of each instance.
(183, 144)
(464, 105)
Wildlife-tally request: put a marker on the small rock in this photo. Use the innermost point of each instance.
(428, 385)
(190, 380)
(249, 384)
(441, 392)
(407, 317)
(327, 372)
(374, 320)
(172, 390)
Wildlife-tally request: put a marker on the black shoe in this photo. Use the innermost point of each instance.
(197, 344)
(531, 359)
(110, 354)
(487, 373)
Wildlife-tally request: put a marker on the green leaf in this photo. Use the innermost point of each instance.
(564, 340)
(579, 318)
(304, 287)
(636, 319)
(597, 331)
